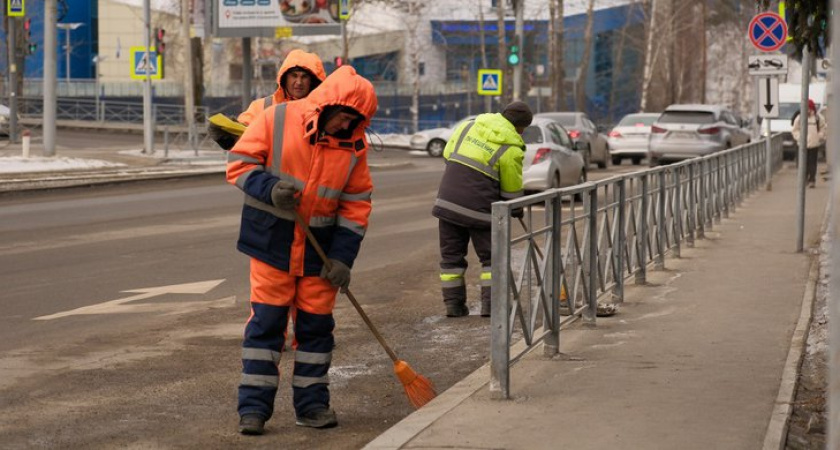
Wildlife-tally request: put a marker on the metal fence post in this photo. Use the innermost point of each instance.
(718, 190)
(554, 261)
(591, 263)
(661, 222)
(725, 191)
(692, 206)
(708, 198)
(621, 241)
(166, 141)
(678, 211)
(642, 235)
(500, 304)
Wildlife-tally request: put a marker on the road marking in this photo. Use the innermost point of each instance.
(119, 306)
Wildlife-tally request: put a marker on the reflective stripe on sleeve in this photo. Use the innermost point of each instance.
(361, 196)
(328, 193)
(313, 358)
(352, 226)
(233, 157)
(304, 382)
(259, 380)
(321, 221)
(241, 179)
(260, 354)
(461, 138)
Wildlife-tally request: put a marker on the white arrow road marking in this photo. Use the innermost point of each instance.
(118, 306)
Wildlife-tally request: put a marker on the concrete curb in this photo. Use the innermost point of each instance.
(407, 429)
(776, 435)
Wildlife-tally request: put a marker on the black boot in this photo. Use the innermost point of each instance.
(253, 424)
(318, 418)
(456, 309)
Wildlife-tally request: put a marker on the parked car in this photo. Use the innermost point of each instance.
(550, 158)
(5, 114)
(433, 140)
(584, 134)
(629, 139)
(686, 131)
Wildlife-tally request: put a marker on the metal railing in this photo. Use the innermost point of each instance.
(109, 111)
(568, 261)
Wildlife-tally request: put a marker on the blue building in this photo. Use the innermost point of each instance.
(83, 39)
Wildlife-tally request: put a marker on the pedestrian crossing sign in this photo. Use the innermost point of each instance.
(15, 8)
(489, 82)
(141, 66)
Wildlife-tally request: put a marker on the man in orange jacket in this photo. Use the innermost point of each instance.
(300, 73)
(306, 158)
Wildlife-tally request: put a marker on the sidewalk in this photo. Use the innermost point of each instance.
(696, 359)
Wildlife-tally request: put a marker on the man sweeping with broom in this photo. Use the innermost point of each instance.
(303, 167)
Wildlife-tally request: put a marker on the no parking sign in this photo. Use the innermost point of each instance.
(768, 31)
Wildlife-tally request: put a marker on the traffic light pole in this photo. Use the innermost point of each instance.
(13, 80)
(50, 74)
(518, 31)
(148, 136)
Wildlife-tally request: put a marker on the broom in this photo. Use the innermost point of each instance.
(417, 387)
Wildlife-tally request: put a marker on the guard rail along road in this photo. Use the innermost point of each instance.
(563, 258)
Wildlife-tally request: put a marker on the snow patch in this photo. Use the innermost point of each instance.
(18, 164)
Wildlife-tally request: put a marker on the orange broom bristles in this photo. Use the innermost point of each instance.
(417, 387)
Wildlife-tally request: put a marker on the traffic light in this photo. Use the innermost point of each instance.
(160, 46)
(339, 61)
(513, 55)
(33, 48)
(27, 37)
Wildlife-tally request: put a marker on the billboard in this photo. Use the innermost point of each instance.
(276, 18)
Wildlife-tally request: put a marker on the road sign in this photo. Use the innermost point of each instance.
(140, 66)
(768, 64)
(768, 97)
(489, 82)
(767, 31)
(15, 8)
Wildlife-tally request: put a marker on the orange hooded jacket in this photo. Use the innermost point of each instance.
(330, 173)
(295, 58)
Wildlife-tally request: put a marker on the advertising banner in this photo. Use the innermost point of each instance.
(253, 18)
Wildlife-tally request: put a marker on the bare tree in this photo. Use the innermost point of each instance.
(557, 72)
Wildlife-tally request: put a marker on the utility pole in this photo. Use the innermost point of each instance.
(247, 72)
(148, 135)
(519, 6)
(189, 92)
(13, 82)
(50, 73)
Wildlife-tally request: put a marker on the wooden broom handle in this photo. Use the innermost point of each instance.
(346, 291)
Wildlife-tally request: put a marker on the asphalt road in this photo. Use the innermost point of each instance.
(123, 308)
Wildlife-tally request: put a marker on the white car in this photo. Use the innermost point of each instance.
(433, 140)
(5, 114)
(629, 139)
(551, 160)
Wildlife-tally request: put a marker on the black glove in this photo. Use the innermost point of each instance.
(283, 195)
(517, 213)
(338, 275)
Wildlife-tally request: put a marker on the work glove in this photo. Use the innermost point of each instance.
(517, 213)
(283, 195)
(338, 275)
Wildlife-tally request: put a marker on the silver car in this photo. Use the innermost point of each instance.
(629, 139)
(550, 158)
(584, 134)
(433, 140)
(686, 131)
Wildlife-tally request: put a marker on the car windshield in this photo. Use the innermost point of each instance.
(637, 121)
(532, 135)
(694, 117)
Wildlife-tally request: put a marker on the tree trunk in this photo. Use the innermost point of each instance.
(580, 95)
(552, 46)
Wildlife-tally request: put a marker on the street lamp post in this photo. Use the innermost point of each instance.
(67, 27)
